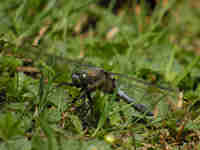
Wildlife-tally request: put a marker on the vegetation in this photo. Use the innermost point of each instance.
(42, 42)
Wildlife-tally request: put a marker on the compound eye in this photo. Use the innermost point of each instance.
(84, 75)
(75, 76)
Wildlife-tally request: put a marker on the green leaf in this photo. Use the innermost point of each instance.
(77, 124)
(49, 133)
(9, 126)
(18, 144)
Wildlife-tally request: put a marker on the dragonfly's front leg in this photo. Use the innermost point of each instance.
(84, 94)
(139, 107)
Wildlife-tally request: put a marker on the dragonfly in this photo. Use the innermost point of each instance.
(89, 78)
(92, 78)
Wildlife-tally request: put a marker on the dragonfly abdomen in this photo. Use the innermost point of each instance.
(139, 107)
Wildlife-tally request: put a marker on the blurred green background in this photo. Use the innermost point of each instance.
(149, 39)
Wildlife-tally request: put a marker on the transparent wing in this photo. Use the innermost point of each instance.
(143, 92)
(152, 96)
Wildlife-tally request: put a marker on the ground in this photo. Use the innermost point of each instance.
(43, 42)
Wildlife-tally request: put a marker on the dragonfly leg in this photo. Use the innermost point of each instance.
(90, 101)
(84, 94)
(74, 100)
(89, 98)
(81, 96)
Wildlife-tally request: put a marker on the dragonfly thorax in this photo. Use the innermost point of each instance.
(93, 79)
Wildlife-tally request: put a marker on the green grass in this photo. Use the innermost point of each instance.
(35, 114)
